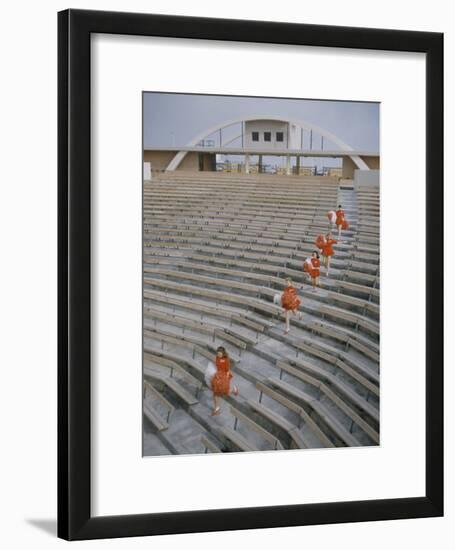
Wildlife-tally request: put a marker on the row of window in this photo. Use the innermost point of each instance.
(268, 136)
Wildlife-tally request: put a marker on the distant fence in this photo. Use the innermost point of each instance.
(274, 169)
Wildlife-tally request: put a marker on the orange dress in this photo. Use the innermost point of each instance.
(315, 272)
(289, 299)
(327, 249)
(341, 220)
(221, 380)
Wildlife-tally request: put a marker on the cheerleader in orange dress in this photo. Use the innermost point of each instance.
(290, 302)
(221, 381)
(311, 266)
(315, 271)
(341, 221)
(327, 251)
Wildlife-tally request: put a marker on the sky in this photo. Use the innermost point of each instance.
(172, 120)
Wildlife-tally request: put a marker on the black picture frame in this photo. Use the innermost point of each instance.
(75, 27)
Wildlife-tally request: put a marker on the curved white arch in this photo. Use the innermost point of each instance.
(343, 146)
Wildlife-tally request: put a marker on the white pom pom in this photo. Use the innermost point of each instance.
(277, 299)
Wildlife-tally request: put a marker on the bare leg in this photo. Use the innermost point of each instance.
(287, 321)
(328, 265)
(216, 408)
(339, 232)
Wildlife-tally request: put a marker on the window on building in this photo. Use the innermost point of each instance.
(267, 136)
(255, 136)
(280, 136)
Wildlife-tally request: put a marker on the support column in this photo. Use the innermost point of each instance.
(348, 168)
(288, 165)
(247, 164)
(260, 164)
(297, 165)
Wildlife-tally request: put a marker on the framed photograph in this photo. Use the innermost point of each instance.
(250, 274)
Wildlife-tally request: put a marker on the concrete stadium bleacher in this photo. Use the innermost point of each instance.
(217, 248)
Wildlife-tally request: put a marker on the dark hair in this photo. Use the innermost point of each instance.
(222, 350)
(317, 253)
(339, 206)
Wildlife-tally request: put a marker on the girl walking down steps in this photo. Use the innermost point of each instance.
(290, 302)
(218, 378)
